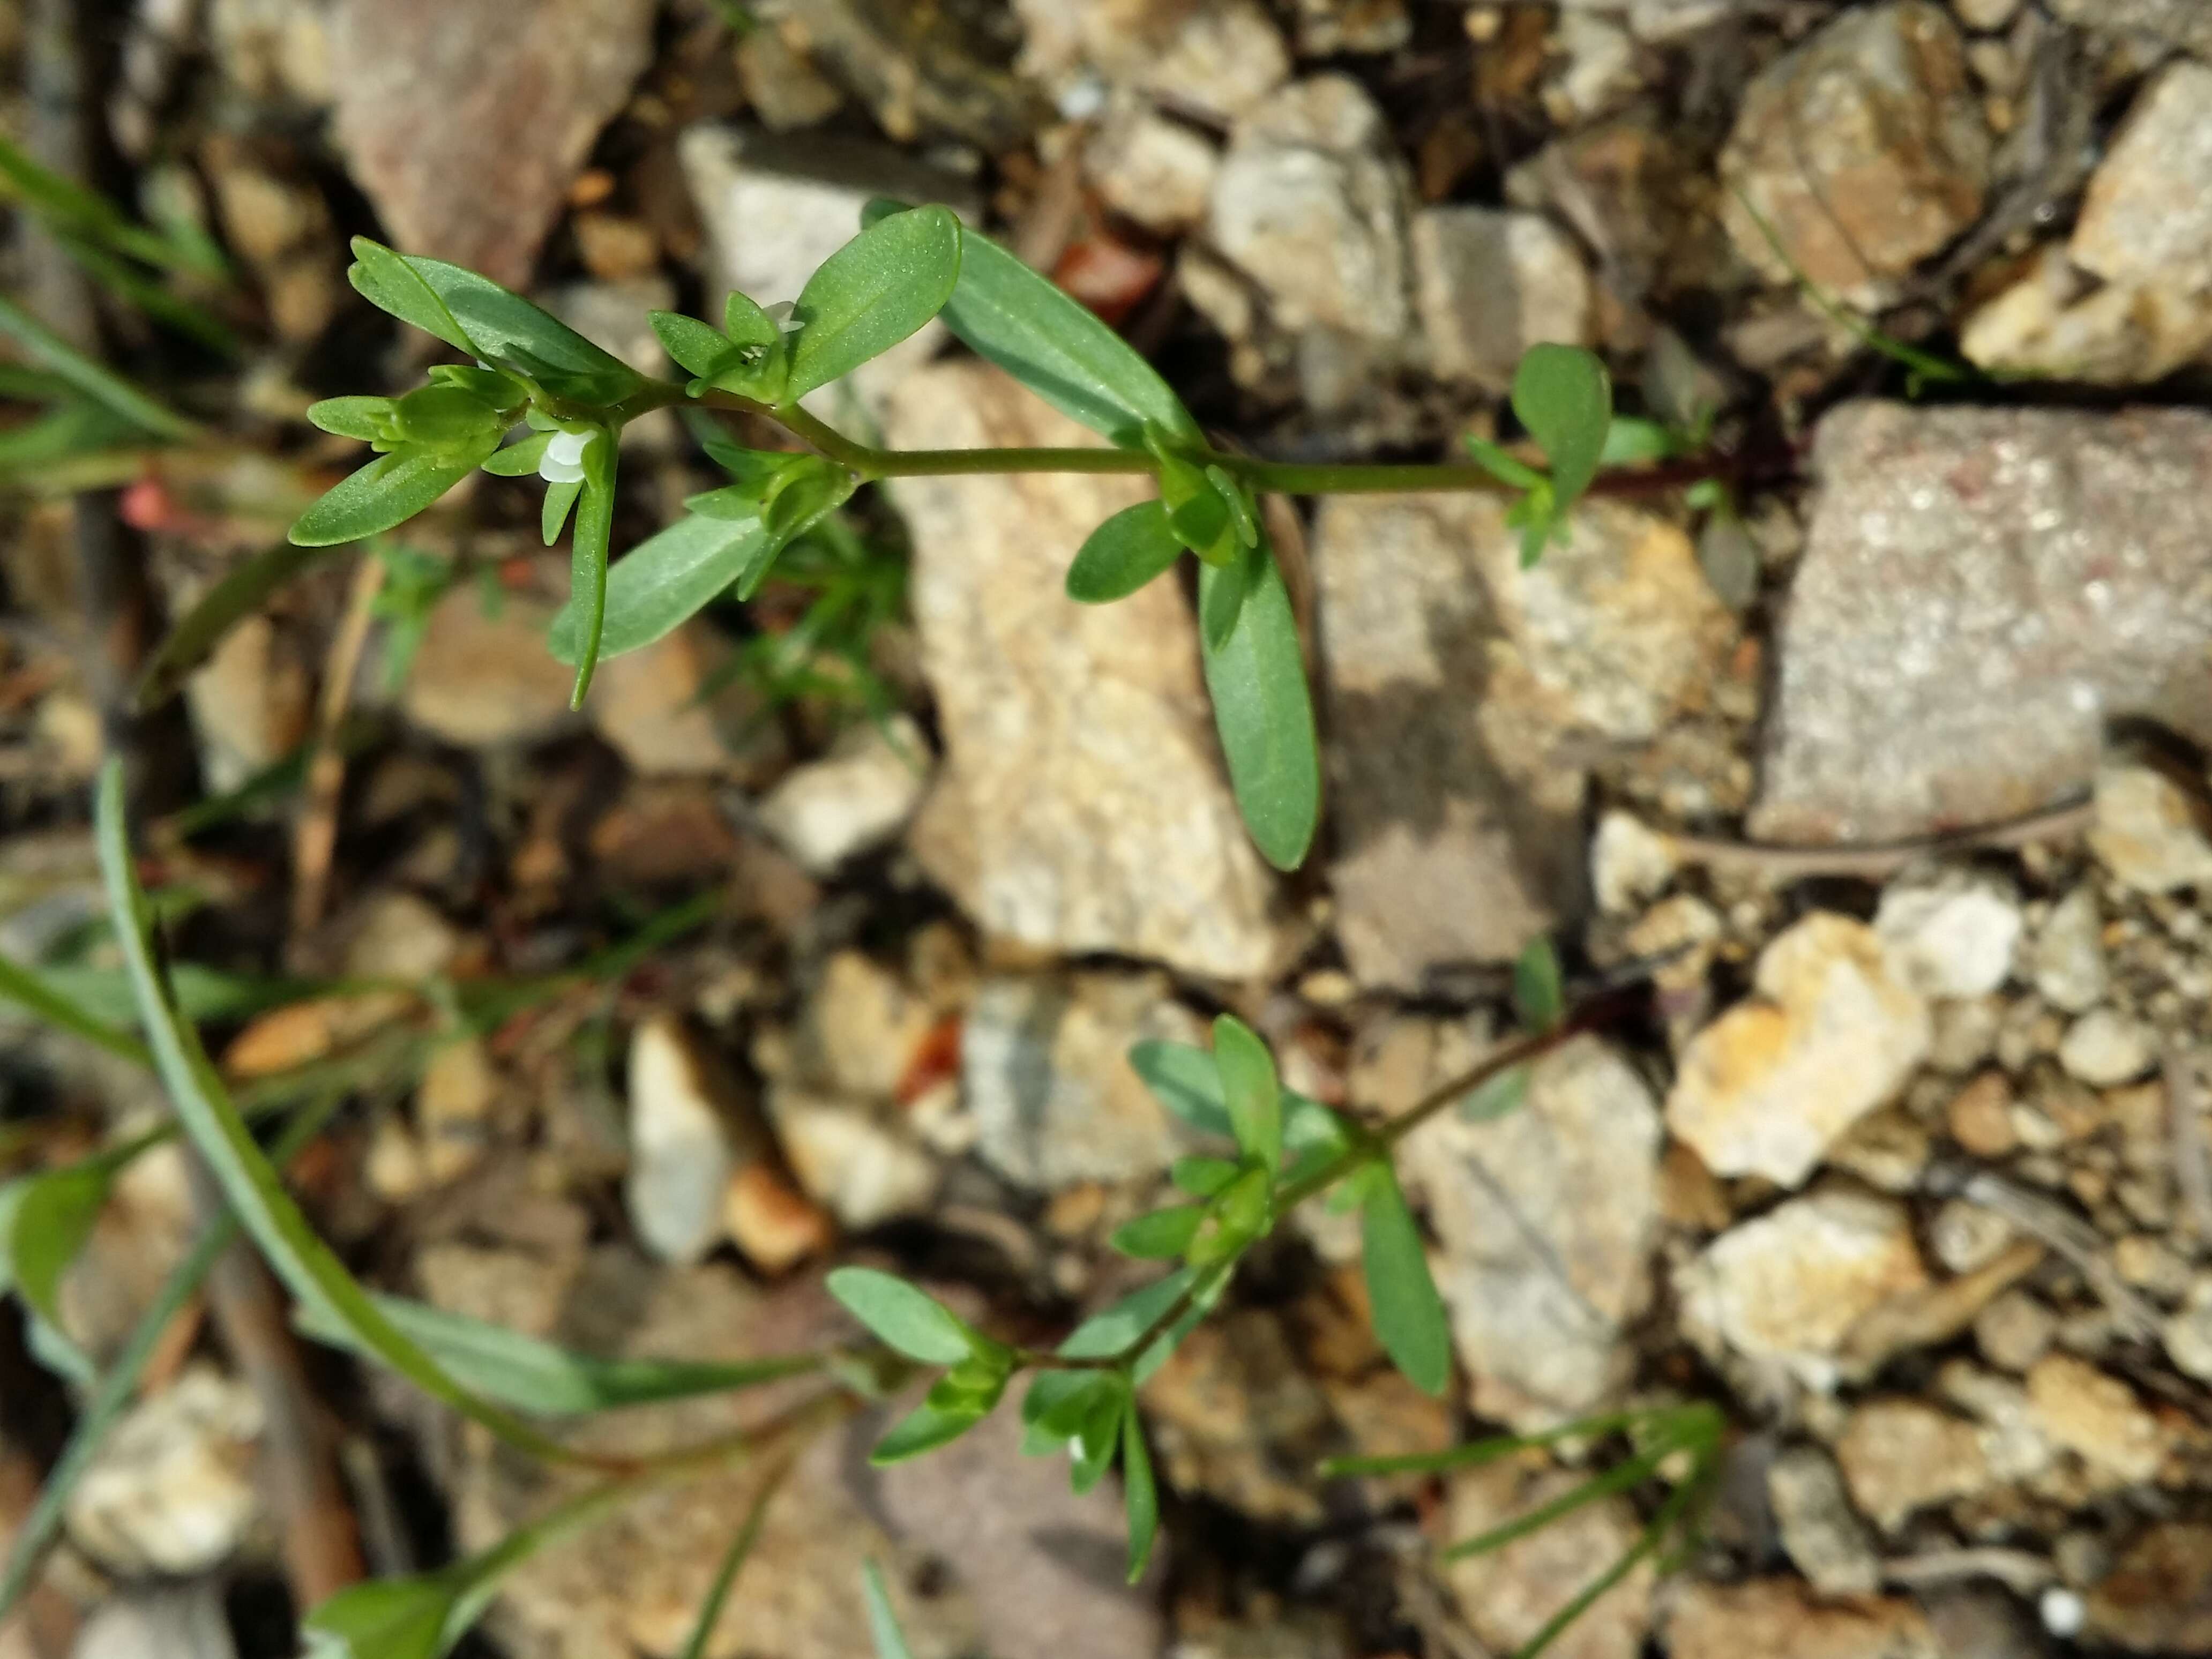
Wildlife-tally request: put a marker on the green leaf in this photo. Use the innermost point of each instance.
(385, 1618)
(559, 498)
(907, 1319)
(1498, 1097)
(1098, 1436)
(588, 561)
(391, 283)
(390, 490)
(662, 582)
(1058, 347)
(1162, 1235)
(924, 1430)
(1202, 1177)
(255, 1191)
(1248, 1086)
(1538, 994)
(733, 1561)
(221, 608)
(515, 334)
(1122, 554)
(1141, 1497)
(36, 991)
(546, 1381)
(53, 1219)
(883, 1622)
(1108, 1332)
(366, 419)
(873, 292)
(1186, 1081)
(519, 460)
(1409, 1315)
(1565, 397)
(1632, 441)
(110, 390)
(1221, 600)
(693, 344)
(747, 323)
(1263, 712)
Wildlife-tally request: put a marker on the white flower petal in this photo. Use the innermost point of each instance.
(563, 459)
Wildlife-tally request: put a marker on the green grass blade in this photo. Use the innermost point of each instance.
(309, 1268)
(1626, 1477)
(883, 1622)
(103, 387)
(710, 1611)
(29, 990)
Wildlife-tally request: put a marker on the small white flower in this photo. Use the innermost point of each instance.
(2062, 1612)
(563, 459)
(780, 313)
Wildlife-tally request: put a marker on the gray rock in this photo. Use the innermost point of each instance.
(1509, 1595)
(1491, 284)
(921, 71)
(170, 1492)
(2127, 303)
(1044, 1064)
(681, 1151)
(1951, 934)
(1311, 201)
(484, 679)
(1821, 1533)
(465, 121)
(167, 1621)
(854, 799)
(1157, 172)
(859, 1159)
(1216, 57)
(274, 50)
(2066, 960)
(2104, 1048)
(1863, 147)
(2149, 831)
(1460, 688)
(1981, 592)
(1081, 806)
(1541, 1283)
(2183, 23)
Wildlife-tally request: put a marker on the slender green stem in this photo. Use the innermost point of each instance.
(1278, 477)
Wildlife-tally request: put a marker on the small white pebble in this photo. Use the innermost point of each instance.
(1082, 98)
(2062, 1612)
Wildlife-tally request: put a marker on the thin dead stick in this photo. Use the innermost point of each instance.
(1782, 863)
(2192, 1158)
(314, 842)
(2018, 1571)
(2081, 1245)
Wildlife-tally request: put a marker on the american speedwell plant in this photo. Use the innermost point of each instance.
(530, 373)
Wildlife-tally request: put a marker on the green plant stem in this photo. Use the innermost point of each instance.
(1278, 477)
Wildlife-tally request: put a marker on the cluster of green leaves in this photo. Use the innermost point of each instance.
(1279, 1148)
(1563, 395)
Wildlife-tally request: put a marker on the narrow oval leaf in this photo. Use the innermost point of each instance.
(924, 1430)
(1221, 601)
(1201, 1177)
(662, 582)
(1185, 1081)
(905, 1318)
(53, 1219)
(1538, 994)
(1110, 1330)
(390, 490)
(221, 608)
(1162, 1235)
(873, 292)
(1140, 1496)
(384, 1618)
(588, 561)
(690, 343)
(1565, 397)
(559, 498)
(1122, 554)
(1257, 680)
(391, 283)
(1249, 1087)
(1058, 347)
(546, 1381)
(514, 333)
(1408, 1313)
(519, 460)
(361, 418)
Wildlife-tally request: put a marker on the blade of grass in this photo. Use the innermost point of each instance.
(710, 1611)
(114, 1391)
(1625, 1477)
(109, 390)
(1478, 1452)
(309, 1268)
(26, 989)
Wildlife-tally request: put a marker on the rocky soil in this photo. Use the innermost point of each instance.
(1886, 769)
